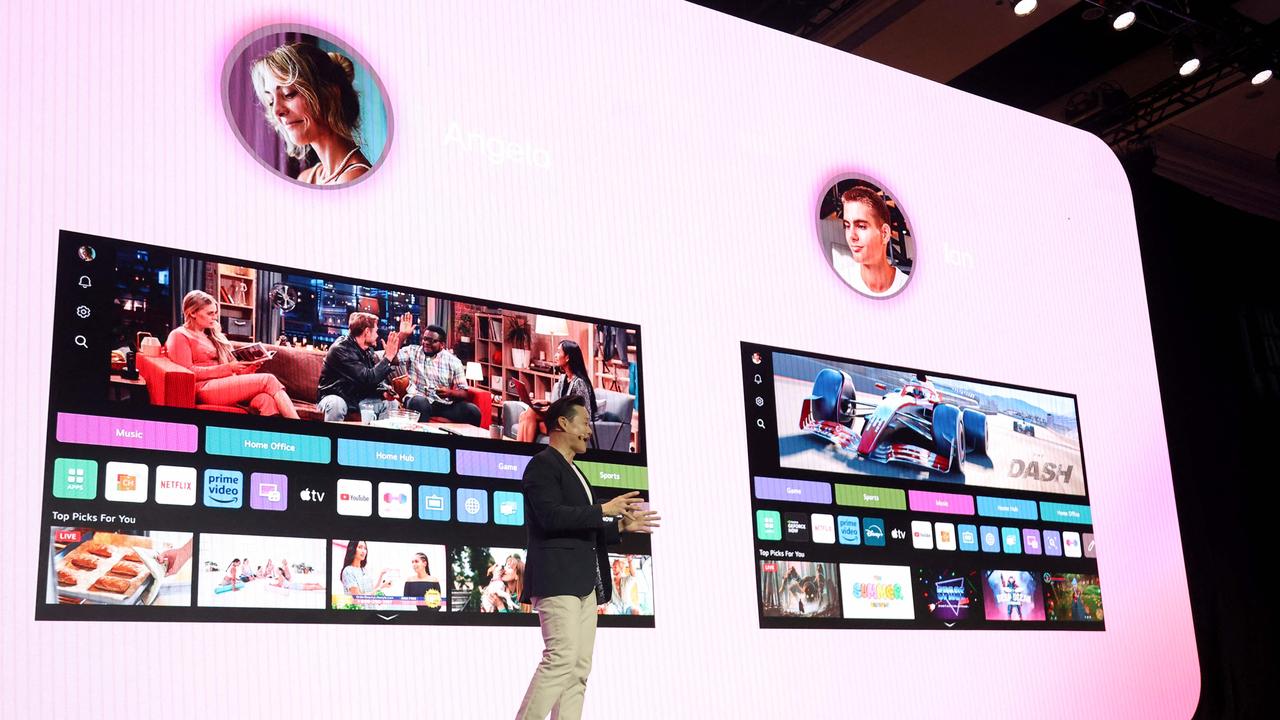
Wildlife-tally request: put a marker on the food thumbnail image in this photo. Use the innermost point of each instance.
(870, 420)
(1072, 597)
(261, 572)
(1012, 595)
(632, 577)
(373, 575)
(951, 597)
(487, 579)
(799, 589)
(88, 566)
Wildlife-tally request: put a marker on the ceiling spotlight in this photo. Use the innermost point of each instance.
(1184, 55)
(1023, 8)
(1125, 20)
(1260, 67)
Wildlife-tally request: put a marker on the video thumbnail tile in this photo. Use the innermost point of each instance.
(799, 589)
(952, 597)
(261, 572)
(91, 566)
(1072, 597)
(632, 577)
(1012, 595)
(373, 575)
(487, 579)
(876, 592)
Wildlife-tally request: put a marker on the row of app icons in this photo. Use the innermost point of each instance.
(823, 528)
(395, 500)
(820, 528)
(78, 479)
(1008, 540)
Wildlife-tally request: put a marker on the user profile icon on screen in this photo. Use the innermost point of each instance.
(306, 106)
(865, 236)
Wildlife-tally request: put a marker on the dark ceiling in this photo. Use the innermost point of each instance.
(1212, 132)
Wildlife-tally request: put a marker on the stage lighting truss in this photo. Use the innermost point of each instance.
(1165, 101)
(1208, 60)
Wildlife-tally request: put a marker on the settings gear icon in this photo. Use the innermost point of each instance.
(82, 311)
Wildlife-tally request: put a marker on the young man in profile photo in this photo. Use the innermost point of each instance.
(866, 232)
(566, 574)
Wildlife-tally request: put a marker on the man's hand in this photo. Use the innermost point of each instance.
(626, 504)
(406, 324)
(640, 521)
(391, 347)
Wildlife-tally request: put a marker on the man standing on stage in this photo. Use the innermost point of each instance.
(566, 571)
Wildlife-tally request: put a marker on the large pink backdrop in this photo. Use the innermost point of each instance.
(677, 156)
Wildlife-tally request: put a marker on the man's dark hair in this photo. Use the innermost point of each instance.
(562, 408)
(439, 331)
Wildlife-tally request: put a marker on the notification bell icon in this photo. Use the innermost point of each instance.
(85, 282)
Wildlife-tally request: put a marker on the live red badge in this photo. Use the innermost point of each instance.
(67, 536)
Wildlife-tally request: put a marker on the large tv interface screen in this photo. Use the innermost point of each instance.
(235, 441)
(901, 498)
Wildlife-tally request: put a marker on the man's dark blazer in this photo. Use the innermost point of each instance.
(564, 526)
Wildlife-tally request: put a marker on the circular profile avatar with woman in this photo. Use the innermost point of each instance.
(865, 236)
(308, 108)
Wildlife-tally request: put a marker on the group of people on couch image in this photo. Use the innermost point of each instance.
(362, 372)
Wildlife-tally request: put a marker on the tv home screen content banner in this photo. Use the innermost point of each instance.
(899, 498)
(223, 445)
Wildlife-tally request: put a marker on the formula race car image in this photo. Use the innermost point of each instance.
(912, 424)
(1025, 428)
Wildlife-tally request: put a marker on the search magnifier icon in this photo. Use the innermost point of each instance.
(82, 342)
(760, 424)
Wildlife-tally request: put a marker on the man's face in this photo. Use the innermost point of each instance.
(432, 343)
(577, 429)
(369, 338)
(865, 234)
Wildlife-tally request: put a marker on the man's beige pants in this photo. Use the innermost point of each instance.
(569, 633)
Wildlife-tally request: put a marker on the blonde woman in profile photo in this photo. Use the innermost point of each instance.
(310, 101)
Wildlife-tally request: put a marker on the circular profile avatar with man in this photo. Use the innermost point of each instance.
(865, 236)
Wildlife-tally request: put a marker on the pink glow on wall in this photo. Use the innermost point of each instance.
(667, 157)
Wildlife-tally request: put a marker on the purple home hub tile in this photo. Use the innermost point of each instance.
(126, 433)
